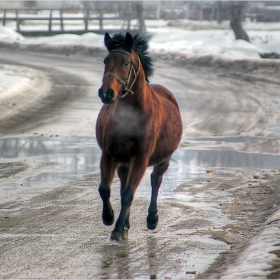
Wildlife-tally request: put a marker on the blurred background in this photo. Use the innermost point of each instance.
(55, 17)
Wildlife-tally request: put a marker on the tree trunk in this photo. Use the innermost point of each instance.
(236, 19)
(219, 20)
(140, 15)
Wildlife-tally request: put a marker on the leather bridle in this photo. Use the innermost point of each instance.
(125, 83)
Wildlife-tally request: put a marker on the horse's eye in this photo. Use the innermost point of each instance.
(126, 63)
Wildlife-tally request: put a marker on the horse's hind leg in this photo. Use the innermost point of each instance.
(156, 179)
(108, 168)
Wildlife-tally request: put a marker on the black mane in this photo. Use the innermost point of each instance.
(140, 46)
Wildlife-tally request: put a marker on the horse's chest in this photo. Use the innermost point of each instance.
(124, 138)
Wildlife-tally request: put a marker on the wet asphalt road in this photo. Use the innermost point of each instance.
(210, 204)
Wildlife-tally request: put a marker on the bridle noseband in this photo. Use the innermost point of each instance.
(125, 83)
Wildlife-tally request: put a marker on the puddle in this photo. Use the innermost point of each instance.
(274, 130)
(195, 261)
(200, 201)
(66, 158)
(200, 261)
(228, 139)
(72, 157)
(220, 157)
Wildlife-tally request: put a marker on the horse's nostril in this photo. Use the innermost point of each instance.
(106, 96)
(110, 93)
(100, 92)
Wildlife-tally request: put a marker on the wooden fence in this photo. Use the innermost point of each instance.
(85, 16)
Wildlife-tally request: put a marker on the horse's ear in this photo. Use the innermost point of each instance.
(107, 40)
(128, 41)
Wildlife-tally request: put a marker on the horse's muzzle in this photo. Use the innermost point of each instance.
(106, 96)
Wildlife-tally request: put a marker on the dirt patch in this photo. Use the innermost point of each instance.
(11, 168)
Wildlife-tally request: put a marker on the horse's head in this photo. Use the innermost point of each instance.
(119, 74)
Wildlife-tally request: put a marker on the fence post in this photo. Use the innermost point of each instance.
(86, 16)
(100, 19)
(61, 21)
(17, 18)
(4, 18)
(50, 21)
(219, 19)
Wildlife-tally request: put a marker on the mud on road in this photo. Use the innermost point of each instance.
(50, 210)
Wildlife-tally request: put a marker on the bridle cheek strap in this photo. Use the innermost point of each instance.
(125, 83)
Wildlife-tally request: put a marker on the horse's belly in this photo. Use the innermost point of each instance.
(163, 151)
(122, 150)
(168, 139)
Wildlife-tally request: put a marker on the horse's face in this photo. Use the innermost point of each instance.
(117, 65)
(118, 69)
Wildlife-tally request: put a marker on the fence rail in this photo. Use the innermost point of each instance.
(20, 16)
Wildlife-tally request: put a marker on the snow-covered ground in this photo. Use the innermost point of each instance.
(204, 41)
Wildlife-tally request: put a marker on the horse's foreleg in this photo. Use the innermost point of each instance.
(108, 168)
(135, 174)
(156, 179)
(123, 174)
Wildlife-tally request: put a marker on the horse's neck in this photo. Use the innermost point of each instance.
(142, 92)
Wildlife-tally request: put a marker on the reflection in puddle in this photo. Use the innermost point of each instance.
(229, 139)
(64, 159)
(273, 130)
(226, 157)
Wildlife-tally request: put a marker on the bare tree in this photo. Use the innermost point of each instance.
(219, 20)
(237, 8)
(140, 16)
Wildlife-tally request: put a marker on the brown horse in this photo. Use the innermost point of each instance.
(139, 126)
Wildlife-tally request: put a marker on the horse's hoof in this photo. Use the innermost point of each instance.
(120, 236)
(152, 221)
(108, 217)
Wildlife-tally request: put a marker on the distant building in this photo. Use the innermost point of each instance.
(12, 4)
(39, 4)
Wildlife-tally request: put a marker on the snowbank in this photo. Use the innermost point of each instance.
(217, 42)
(10, 36)
(214, 42)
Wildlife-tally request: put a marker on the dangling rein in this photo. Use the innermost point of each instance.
(125, 83)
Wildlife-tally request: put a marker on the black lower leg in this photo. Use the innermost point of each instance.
(152, 218)
(122, 226)
(126, 222)
(156, 178)
(107, 212)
